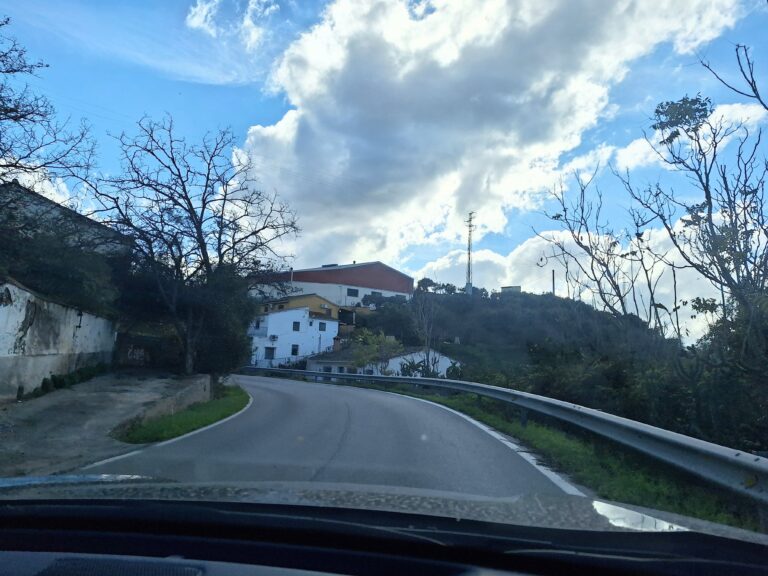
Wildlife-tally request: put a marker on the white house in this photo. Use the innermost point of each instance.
(285, 336)
(342, 361)
(348, 284)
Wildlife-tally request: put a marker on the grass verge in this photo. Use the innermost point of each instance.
(232, 399)
(610, 470)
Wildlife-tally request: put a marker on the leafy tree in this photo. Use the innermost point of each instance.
(374, 349)
(393, 317)
(425, 285)
(67, 274)
(224, 343)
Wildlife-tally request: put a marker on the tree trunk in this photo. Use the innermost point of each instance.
(189, 356)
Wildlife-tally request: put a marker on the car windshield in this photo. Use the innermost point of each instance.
(503, 259)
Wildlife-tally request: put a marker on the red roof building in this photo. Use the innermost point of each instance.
(345, 285)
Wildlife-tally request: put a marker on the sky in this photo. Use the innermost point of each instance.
(383, 123)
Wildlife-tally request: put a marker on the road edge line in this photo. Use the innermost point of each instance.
(172, 440)
(553, 476)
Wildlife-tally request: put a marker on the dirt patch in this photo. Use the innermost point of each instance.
(69, 428)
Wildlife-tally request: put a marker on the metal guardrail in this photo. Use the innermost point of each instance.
(736, 470)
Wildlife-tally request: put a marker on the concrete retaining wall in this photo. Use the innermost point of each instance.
(198, 390)
(39, 338)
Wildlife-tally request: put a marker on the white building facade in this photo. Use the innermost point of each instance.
(346, 285)
(343, 294)
(286, 336)
(338, 363)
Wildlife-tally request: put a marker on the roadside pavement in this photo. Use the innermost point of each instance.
(69, 428)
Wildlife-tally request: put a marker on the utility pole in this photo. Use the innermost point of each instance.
(553, 282)
(470, 227)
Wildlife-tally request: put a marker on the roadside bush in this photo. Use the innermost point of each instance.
(59, 381)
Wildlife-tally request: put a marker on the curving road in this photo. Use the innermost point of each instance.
(299, 431)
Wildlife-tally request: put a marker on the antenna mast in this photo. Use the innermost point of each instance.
(470, 227)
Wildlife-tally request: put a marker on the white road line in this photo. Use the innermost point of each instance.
(114, 458)
(172, 440)
(556, 479)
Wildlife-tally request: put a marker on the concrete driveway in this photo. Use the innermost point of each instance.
(69, 428)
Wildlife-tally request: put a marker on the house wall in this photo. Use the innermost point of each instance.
(337, 293)
(393, 366)
(309, 337)
(39, 338)
(314, 302)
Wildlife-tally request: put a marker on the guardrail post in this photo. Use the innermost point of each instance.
(762, 517)
(523, 417)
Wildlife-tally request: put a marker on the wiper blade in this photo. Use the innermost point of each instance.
(358, 526)
(21, 481)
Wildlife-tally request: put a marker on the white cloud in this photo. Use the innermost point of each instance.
(637, 154)
(251, 31)
(585, 165)
(201, 17)
(405, 120)
(748, 115)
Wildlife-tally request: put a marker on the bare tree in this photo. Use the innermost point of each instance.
(723, 233)
(746, 65)
(617, 268)
(34, 145)
(423, 307)
(192, 211)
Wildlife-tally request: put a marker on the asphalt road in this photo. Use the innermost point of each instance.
(298, 431)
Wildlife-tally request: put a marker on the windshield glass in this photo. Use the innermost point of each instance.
(494, 259)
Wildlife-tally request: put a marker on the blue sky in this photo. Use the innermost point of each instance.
(383, 123)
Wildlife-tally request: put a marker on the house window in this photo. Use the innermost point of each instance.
(269, 353)
(353, 292)
(280, 306)
(296, 326)
(374, 293)
(327, 368)
(321, 327)
(341, 369)
(294, 349)
(352, 370)
(258, 324)
(311, 323)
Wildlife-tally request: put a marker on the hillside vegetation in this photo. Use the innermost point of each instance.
(567, 350)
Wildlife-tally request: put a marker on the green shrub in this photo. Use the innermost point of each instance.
(46, 385)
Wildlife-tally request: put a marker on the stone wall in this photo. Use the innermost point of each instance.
(197, 390)
(39, 338)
